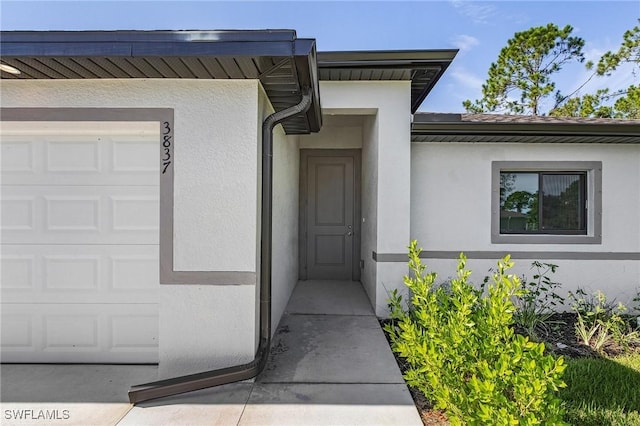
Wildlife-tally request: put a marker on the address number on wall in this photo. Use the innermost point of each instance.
(167, 146)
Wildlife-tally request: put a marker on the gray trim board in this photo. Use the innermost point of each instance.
(209, 277)
(389, 257)
(594, 201)
(86, 114)
(498, 254)
(164, 117)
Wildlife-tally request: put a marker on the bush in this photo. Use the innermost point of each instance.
(463, 354)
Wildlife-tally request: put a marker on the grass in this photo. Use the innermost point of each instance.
(603, 391)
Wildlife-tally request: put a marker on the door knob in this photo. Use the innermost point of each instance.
(349, 234)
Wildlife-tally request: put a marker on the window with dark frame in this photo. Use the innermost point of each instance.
(543, 202)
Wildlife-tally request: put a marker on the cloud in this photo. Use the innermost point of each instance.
(465, 42)
(479, 12)
(593, 54)
(467, 78)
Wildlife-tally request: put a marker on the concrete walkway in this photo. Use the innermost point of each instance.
(329, 365)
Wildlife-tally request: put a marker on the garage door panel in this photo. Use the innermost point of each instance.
(77, 156)
(80, 215)
(64, 331)
(71, 273)
(123, 339)
(17, 272)
(18, 158)
(86, 333)
(82, 160)
(17, 331)
(79, 274)
(71, 213)
(18, 213)
(138, 213)
(136, 157)
(79, 225)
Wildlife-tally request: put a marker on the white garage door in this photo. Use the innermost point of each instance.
(79, 242)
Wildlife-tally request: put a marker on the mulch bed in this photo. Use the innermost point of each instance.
(559, 338)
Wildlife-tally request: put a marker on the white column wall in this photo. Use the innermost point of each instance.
(334, 136)
(216, 204)
(286, 179)
(451, 210)
(391, 102)
(369, 191)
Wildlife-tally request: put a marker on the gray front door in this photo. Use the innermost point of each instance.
(329, 203)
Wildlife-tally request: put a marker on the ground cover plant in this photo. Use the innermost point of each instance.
(603, 380)
(600, 322)
(537, 301)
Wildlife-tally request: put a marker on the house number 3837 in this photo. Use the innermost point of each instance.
(166, 146)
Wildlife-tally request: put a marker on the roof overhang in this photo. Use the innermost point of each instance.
(486, 128)
(284, 64)
(422, 67)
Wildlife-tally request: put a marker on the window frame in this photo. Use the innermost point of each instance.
(593, 170)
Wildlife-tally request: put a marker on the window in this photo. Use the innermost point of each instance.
(546, 202)
(543, 202)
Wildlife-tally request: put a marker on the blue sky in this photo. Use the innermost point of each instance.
(478, 29)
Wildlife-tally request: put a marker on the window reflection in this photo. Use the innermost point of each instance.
(542, 202)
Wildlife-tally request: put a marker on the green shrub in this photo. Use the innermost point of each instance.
(463, 354)
(537, 301)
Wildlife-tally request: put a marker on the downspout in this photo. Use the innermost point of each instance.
(207, 379)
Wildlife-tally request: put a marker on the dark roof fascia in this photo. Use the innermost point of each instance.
(162, 44)
(148, 36)
(144, 43)
(306, 61)
(380, 58)
(446, 124)
(436, 59)
(418, 101)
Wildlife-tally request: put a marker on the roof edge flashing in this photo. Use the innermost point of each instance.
(149, 36)
(363, 56)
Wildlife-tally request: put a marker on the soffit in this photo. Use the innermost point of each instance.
(489, 128)
(283, 63)
(422, 67)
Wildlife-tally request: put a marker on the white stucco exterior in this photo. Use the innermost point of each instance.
(286, 167)
(451, 210)
(216, 203)
(437, 193)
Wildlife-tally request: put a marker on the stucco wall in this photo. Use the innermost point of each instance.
(338, 132)
(390, 102)
(369, 228)
(286, 166)
(451, 209)
(216, 204)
